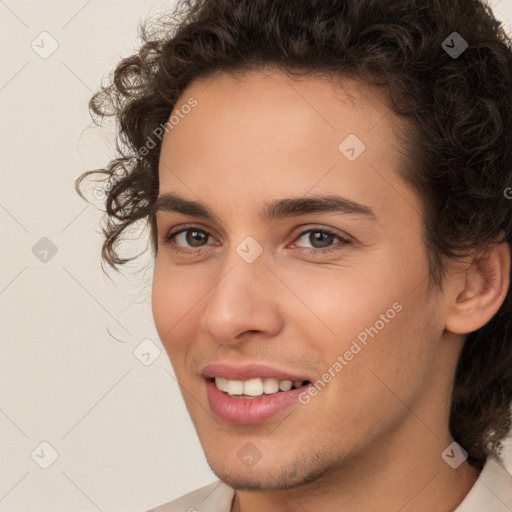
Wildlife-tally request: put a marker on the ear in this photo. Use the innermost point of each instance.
(480, 290)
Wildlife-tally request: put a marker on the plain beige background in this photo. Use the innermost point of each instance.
(87, 423)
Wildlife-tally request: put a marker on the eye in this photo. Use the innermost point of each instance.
(189, 237)
(193, 239)
(321, 241)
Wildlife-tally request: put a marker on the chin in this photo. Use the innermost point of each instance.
(269, 477)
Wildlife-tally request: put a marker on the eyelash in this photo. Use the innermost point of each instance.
(168, 240)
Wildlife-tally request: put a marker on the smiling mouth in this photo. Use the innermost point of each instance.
(255, 388)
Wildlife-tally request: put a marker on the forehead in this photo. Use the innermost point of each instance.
(325, 103)
(268, 134)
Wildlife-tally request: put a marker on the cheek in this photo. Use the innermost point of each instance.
(393, 360)
(379, 322)
(160, 301)
(341, 302)
(172, 302)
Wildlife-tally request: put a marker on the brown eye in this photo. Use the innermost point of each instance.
(195, 238)
(322, 241)
(190, 238)
(321, 238)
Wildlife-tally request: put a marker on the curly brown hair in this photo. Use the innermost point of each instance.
(459, 150)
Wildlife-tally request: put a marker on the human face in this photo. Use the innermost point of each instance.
(307, 300)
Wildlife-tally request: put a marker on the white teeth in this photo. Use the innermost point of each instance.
(221, 383)
(285, 385)
(235, 387)
(270, 386)
(255, 387)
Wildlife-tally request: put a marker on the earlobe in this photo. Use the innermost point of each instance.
(482, 292)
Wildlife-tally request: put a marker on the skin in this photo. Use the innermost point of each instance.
(373, 438)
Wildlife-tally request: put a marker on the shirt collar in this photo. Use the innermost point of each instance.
(492, 491)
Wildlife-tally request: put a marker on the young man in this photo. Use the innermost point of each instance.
(326, 184)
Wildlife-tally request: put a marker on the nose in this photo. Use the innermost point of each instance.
(242, 301)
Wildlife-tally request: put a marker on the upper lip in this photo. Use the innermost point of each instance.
(249, 371)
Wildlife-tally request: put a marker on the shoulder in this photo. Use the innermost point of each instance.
(215, 497)
(492, 491)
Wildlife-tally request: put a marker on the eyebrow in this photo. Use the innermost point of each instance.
(277, 209)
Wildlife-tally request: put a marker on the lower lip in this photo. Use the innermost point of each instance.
(250, 411)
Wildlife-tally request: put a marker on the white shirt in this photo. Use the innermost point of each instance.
(492, 492)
